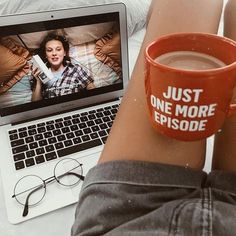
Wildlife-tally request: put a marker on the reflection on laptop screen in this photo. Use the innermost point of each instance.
(57, 61)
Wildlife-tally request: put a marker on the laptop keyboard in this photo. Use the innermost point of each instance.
(36, 144)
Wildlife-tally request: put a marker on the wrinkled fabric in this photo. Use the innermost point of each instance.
(139, 198)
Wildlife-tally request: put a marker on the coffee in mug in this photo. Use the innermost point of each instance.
(188, 60)
(189, 82)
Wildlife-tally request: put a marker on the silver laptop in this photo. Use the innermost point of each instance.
(49, 144)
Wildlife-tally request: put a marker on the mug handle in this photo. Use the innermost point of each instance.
(232, 110)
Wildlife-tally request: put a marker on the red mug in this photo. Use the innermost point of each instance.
(189, 82)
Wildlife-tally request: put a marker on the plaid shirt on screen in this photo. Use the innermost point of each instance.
(74, 78)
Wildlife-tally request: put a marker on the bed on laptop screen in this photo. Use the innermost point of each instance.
(95, 47)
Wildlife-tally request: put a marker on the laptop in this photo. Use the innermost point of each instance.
(36, 135)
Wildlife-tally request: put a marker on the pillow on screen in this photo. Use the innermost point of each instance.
(87, 33)
(107, 50)
(136, 10)
(9, 64)
(13, 66)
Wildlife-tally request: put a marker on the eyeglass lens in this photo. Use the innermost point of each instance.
(31, 189)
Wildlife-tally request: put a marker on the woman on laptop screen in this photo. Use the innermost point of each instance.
(62, 77)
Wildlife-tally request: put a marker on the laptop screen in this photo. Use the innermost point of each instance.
(61, 60)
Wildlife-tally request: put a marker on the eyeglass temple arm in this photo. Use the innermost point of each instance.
(26, 206)
(81, 177)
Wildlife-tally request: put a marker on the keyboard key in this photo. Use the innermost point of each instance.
(41, 130)
(83, 118)
(67, 123)
(50, 127)
(103, 126)
(92, 117)
(85, 138)
(99, 115)
(48, 134)
(59, 145)
(38, 137)
(106, 119)
(56, 132)
(94, 135)
(19, 149)
(41, 124)
(43, 143)
(74, 127)
(19, 157)
(90, 123)
(79, 133)
(40, 151)
(65, 130)
(19, 165)
(50, 156)
(61, 137)
(17, 142)
(52, 140)
(110, 124)
(95, 128)
(70, 135)
(29, 139)
(30, 153)
(102, 133)
(67, 118)
(107, 113)
(29, 162)
(13, 136)
(77, 140)
(104, 139)
(82, 125)
(22, 129)
(59, 125)
(59, 120)
(50, 122)
(32, 127)
(107, 108)
(49, 148)
(87, 131)
(32, 132)
(12, 131)
(23, 134)
(76, 116)
(98, 121)
(75, 121)
(68, 143)
(84, 114)
(39, 159)
(33, 145)
(79, 147)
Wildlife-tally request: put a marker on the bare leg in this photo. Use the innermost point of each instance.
(132, 137)
(224, 156)
(230, 20)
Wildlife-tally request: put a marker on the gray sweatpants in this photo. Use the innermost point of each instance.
(140, 198)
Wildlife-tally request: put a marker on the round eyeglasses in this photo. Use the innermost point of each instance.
(31, 189)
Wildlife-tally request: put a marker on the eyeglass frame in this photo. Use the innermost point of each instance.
(44, 184)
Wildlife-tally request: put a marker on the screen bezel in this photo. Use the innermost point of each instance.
(19, 24)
